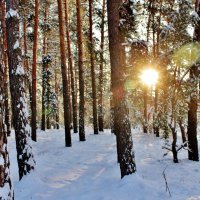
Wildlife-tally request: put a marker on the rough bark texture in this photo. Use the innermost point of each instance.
(121, 119)
(17, 88)
(34, 82)
(81, 74)
(100, 100)
(5, 58)
(73, 93)
(192, 119)
(26, 61)
(5, 180)
(91, 48)
(66, 95)
(56, 93)
(193, 104)
(43, 122)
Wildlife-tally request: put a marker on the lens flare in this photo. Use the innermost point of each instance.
(149, 77)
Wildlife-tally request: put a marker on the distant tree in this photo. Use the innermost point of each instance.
(66, 94)
(118, 62)
(81, 74)
(20, 115)
(91, 48)
(34, 70)
(101, 69)
(70, 61)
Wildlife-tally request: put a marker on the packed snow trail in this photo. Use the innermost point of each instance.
(89, 170)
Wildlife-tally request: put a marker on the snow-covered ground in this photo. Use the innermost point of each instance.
(89, 171)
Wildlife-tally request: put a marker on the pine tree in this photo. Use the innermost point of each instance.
(91, 48)
(34, 68)
(121, 119)
(70, 61)
(81, 74)
(66, 95)
(101, 73)
(193, 104)
(6, 188)
(7, 110)
(25, 158)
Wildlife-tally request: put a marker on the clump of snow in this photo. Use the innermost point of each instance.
(12, 13)
(16, 45)
(5, 192)
(1, 160)
(19, 70)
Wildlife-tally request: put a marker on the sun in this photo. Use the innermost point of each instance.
(149, 77)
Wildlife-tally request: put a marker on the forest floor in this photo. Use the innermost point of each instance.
(89, 170)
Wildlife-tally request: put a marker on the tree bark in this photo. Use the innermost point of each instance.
(81, 74)
(25, 158)
(121, 119)
(100, 100)
(5, 179)
(70, 61)
(145, 122)
(5, 58)
(56, 93)
(193, 104)
(34, 81)
(91, 45)
(43, 122)
(66, 95)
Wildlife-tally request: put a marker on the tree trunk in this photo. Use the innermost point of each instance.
(100, 100)
(66, 95)
(193, 104)
(192, 121)
(81, 74)
(5, 58)
(26, 63)
(43, 122)
(17, 88)
(91, 45)
(56, 93)
(174, 151)
(183, 134)
(145, 122)
(73, 93)
(5, 180)
(34, 81)
(121, 119)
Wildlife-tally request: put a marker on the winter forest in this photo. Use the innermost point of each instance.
(99, 99)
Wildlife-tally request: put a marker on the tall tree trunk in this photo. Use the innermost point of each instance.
(43, 122)
(121, 119)
(17, 88)
(192, 120)
(81, 74)
(94, 95)
(5, 58)
(34, 71)
(193, 104)
(100, 100)
(73, 93)
(56, 93)
(26, 61)
(182, 128)
(145, 122)
(66, 95)
(5, 180)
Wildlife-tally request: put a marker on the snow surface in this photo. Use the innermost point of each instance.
(89, 171)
